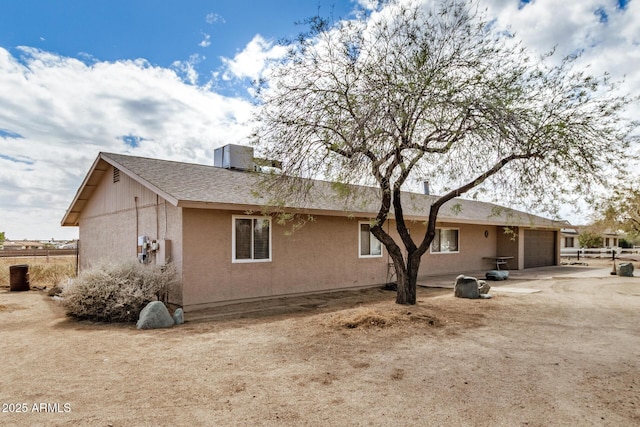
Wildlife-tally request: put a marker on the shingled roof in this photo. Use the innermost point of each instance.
(203, 186)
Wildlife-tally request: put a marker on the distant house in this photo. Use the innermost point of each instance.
(68, 245)
(209, 222)
(569, 238)
(11, 245)
(610, 239)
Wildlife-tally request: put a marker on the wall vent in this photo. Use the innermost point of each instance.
(116, 175)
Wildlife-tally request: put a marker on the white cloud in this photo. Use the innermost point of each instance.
(206, 42)
(368, 4)
(187, 69)
(252, 61)
(607, 37)
(212, 18)
(57, 113)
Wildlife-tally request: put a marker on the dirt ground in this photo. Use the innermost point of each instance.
(566, 355)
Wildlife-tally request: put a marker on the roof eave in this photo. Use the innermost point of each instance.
(85, 191)
(252, 208)
(90, 182)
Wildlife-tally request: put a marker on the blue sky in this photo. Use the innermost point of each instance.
(170, 79)
(162, 32)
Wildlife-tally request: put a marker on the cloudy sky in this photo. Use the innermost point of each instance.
(171, 79)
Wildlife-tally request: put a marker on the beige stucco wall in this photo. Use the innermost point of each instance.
(510, 243)
(320, 256)
(119, 212)
(473, 247)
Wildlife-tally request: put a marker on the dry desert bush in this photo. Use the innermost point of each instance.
(117, 292)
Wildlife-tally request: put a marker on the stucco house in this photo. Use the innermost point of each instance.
(210, 222)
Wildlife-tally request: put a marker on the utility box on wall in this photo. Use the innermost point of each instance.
(163, 252)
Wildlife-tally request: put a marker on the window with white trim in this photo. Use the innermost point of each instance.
(446, 240)
(369, 245)
(251, 239)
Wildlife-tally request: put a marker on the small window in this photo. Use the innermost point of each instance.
(370, 247)
(445, 241)
(568, 242)
(251, 239)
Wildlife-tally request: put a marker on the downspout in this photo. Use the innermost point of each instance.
(157, 220)
(135, 202)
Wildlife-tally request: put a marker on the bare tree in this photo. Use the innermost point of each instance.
(407, 92)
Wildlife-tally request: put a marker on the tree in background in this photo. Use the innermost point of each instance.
(408, 91)
(590, 239)
(625, 243)
(621, 211)
(1, 237)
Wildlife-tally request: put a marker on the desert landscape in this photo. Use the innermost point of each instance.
(554, 346)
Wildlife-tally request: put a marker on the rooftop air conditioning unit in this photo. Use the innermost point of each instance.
(232, 156)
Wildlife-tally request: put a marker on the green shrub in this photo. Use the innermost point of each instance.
(626, 244)
(117, 292)
(589, 239)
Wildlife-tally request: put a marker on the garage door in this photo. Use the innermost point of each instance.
(539, 248)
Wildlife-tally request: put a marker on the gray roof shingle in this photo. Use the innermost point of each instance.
(187, 184)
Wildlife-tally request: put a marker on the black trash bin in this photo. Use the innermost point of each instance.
(19, 277)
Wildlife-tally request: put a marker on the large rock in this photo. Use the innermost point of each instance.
(625, 269)
(178, 316)
(484, 287)
(497, 275)
(466, 287)
(155, 315)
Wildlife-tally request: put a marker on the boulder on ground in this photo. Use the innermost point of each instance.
(484, 287)
(625, 269)
(497, 275)
(155, 315)
(178, 316)
(466, 287)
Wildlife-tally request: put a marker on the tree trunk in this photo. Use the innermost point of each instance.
(407, 280)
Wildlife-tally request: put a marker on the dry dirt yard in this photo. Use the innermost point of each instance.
(568, 355)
